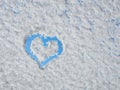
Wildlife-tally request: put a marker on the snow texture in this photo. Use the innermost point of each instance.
(89, 30)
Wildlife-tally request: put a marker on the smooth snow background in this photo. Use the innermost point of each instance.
(89, 30)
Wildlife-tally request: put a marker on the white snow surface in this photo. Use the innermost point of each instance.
(89, 31)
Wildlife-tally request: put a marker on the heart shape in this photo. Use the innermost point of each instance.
(45, 41)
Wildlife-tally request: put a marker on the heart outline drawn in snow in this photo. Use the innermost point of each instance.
(45, 40)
